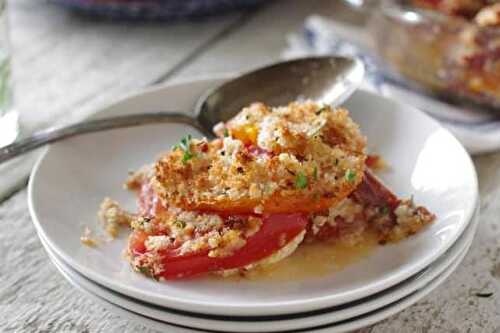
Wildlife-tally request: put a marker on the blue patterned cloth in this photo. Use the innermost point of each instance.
(156, 10)
(478, 131)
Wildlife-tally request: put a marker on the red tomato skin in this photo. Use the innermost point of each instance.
(276, 231)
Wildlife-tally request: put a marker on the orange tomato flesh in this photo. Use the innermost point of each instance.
(247, 134)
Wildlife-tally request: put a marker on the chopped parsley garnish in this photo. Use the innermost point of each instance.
(300, 180)
(484, 295)
(145, 270)
(187, 156)
(315, 173)
(148, 272)
(180, 224)
(350, 175)
(184, 145)
(384, 210)
(226, 132)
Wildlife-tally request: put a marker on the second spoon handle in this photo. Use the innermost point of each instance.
(41, 138)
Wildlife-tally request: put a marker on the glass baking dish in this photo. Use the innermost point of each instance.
(446, 56)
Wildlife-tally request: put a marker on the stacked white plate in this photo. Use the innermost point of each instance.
(426, 161)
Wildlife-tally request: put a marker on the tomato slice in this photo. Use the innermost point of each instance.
(276, 231)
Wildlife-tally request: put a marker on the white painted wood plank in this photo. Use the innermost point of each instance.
(34, 297)
(14, 173)
(66, 66)
(262, 39)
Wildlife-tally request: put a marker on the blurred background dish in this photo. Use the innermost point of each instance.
(439, 46)
(157, 10)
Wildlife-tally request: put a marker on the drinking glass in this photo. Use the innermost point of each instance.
(9, 128)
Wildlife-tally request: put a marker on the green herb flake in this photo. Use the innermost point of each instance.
(300, 180)
(187, 156)
(384, 210)
(350, 175)
(226, 132)
(180, 224)
(145, 270)
(315, 173)
(184, 145)
(484, 295)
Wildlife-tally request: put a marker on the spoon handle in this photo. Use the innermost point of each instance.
(41, 138)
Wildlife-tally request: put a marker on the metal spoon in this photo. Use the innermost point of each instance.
(328, 80)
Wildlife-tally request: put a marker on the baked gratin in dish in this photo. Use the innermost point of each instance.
(273, 180)
(448, 47)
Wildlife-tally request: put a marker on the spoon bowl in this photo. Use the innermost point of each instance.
(327, 80)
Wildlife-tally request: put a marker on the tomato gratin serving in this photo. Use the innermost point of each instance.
(272, 180)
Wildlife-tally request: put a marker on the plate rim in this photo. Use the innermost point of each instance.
(246, 310)
(418, 282)
(347, 325)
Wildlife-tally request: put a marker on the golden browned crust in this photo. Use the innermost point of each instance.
(300, 158)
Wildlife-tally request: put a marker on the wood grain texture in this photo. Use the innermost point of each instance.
(65, 67)
(262, 39)
(34, 297)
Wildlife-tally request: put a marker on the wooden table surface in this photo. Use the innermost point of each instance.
(67, 66)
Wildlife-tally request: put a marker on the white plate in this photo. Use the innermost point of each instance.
(334, 327)
(71, 179)
(301, 321)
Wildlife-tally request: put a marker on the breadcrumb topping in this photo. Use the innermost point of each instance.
(409, 220)
(204, 200)
(87, 239)
(391, 219)
(271, 157)
(113, 216)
